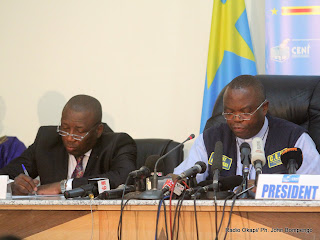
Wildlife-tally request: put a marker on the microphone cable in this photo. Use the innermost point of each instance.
(170, 206)
(120, 220)
(177, 214)
(165, 217)
(179, 205)
(92, 219)
(233, 201)
(215, 212)
(232, 205)
(122, 207)
(195, 212)
(231, 209)
(223, 212)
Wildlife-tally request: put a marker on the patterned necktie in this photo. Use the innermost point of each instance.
(78, 171)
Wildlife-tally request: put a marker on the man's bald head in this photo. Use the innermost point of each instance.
(248, 81)
(85, 103)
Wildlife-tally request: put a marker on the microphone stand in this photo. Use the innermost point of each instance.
(246, 192)
(193, 181)
(155, 193)
(244, 185)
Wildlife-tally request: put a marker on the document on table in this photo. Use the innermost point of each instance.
(39, 197)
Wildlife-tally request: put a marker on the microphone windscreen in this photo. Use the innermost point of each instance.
(217, 157)
(151, 162)
(292, 153)
(229, 183)
(257, 152)
(202, 165)
(205, 183)
(225, 183)
(244, 145)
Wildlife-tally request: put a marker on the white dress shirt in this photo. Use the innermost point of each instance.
(72, 163)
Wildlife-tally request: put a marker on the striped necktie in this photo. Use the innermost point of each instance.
(78, 171)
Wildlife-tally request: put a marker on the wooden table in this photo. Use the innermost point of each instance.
(72, 219)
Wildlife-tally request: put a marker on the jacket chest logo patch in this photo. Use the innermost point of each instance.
(275, 159)
(226, 161)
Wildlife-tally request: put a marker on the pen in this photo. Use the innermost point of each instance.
(25, 170)
(27, 174)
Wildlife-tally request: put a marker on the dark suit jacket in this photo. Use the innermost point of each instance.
(113, 157)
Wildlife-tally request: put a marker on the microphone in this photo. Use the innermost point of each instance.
(199, 167)
(155, 176)
(144, 171)
(116, 193)
(245, 158)
(217, 164)
(155, 194)
(225, 183)
(292, 158)
(167, 186)
(258, 158)
(82, 191)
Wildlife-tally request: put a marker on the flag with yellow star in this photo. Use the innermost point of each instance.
(230, 51)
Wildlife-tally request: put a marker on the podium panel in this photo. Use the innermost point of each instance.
(72, 219)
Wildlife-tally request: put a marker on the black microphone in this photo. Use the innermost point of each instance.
(145, 171)
(245, 151)
(199, 167)
(154, 193)
(116, 193)
(155, 176)
(82, 191)
(292, 159)
(225, 183)
(217, 164)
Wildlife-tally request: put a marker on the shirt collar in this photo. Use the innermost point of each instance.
(87, 154)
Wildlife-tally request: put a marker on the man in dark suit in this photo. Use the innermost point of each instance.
(66, 156)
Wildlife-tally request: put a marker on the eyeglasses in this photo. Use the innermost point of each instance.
(74, 136)
(241, 116)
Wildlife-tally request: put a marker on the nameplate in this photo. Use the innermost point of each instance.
(3, 186)
(288, 186)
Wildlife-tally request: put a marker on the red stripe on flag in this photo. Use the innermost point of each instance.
(304, 10)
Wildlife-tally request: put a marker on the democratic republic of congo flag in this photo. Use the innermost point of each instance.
(230, 51)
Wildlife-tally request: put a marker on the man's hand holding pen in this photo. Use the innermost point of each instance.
(24, 185)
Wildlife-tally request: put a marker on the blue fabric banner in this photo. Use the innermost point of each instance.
(292, 37)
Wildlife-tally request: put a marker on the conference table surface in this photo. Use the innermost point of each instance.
(58, 218)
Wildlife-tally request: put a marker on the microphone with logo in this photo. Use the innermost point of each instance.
(258, 158)
(167, 187)
(292, 159)
(155, 194)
